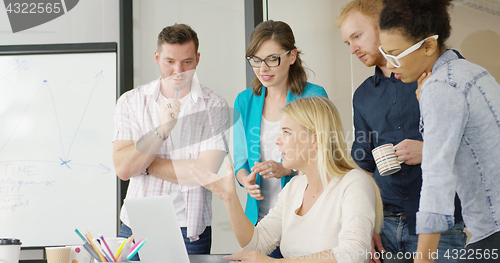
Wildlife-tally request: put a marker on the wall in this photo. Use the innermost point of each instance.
(476, 34)
(324, 51)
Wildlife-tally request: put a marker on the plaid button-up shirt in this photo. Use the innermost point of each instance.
(202, 125)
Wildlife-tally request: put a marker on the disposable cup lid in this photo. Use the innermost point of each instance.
(10, 241)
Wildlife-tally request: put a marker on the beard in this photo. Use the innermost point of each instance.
(374, 59)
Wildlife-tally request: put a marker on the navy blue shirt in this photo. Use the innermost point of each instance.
(386, 110)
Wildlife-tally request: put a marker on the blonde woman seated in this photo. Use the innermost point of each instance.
(326, 215)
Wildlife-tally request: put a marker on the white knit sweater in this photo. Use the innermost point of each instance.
(340, 222)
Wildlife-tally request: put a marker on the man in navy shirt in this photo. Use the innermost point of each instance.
(386, 110)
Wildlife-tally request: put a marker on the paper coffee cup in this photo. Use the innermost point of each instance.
(386, 159)
(10, 249)
(58, 254)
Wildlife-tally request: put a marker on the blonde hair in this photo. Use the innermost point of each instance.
(319, 116)
(369, 8)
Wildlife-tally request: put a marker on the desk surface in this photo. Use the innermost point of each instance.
(207, 259)
(192, 258)
(218, 259)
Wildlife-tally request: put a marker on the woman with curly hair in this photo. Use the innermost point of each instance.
(460, 122)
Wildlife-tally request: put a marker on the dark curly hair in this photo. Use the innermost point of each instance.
(417, 19)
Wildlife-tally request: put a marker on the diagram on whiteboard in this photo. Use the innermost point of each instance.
(56, 131)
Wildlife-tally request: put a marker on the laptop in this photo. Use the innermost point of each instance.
(155, 218)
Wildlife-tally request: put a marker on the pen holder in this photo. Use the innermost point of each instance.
(113, 243)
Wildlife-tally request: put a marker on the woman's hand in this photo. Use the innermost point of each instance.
(250, 256)
(249, 183)
(421, 80)
(376, 247)
(223, 187)
(270, 169)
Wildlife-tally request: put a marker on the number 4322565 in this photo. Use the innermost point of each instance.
(34, 8)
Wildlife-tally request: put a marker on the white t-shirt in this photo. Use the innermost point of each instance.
(270, 187)
(175, 189)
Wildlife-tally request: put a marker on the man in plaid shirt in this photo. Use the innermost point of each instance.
(165, 126)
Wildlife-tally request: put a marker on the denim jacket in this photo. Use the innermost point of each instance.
(460, 109)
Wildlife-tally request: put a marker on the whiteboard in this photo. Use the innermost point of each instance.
(56, 131)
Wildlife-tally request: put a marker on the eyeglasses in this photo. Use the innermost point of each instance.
(271, 61)
(395, 59)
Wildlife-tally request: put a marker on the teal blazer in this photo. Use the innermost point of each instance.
(246, 134)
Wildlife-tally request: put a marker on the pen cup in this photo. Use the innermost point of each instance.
(96, 261)
(113, 243)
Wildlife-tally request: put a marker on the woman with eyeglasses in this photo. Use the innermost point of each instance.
(326, 215)
(279, 79)
(460, 118)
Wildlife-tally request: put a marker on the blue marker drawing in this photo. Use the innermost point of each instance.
(98, 76)
(22, 117)
(64, 158)
(12, 67)
(103, 167)
(65, 162)
(55, 113)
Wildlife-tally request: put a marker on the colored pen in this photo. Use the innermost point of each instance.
(108, 258)
(176, 93)
(107, 247)
(101, 249)
(91, 251)
(123, 254)
(120, 249)
(136, 249)
(80, 235)
(136, 244)
(89, 237)
(100, 246)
